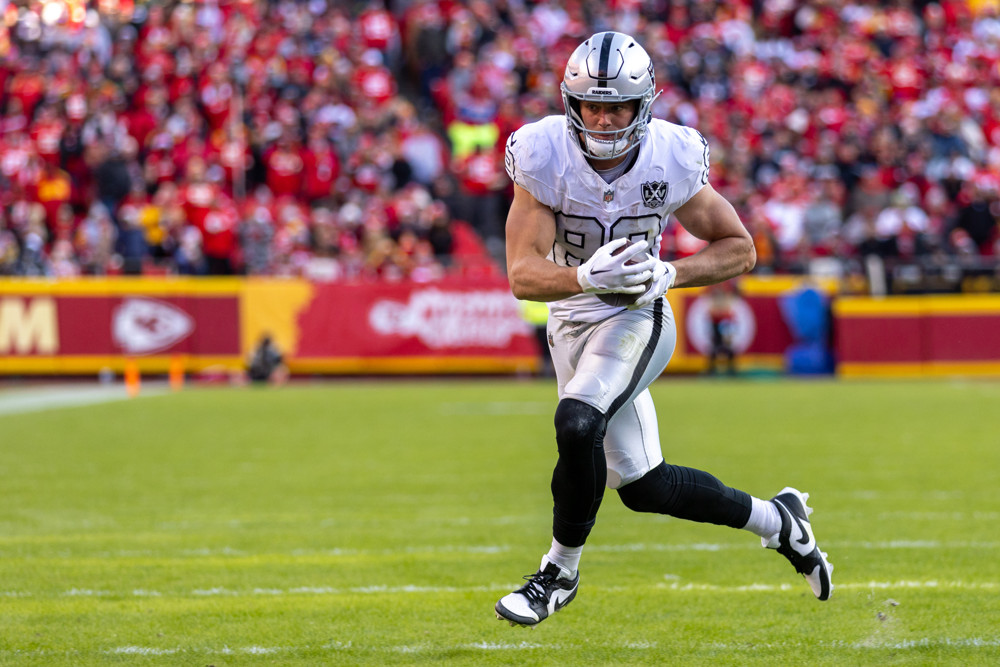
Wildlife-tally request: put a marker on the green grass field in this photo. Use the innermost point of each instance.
(364, 523)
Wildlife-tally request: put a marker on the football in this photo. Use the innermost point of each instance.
(619, 299)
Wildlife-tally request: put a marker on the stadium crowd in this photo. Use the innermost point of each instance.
(364, 140)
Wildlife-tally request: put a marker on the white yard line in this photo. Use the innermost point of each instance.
(52, 397)
(414, 589)
(144, 650)
(230, 552)
(861, 585)
(351, 646)
(831, 545)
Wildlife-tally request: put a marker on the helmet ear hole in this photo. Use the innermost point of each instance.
(574, 107)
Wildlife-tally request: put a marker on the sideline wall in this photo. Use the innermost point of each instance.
(918, 336)
(83, 326)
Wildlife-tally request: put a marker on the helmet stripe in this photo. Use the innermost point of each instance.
(602, 67)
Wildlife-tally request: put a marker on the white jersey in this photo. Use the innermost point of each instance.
(545, 159)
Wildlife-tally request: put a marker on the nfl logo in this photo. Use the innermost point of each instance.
(609, 196)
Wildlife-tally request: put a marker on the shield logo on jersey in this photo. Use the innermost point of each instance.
(654, 193)
(609, 196)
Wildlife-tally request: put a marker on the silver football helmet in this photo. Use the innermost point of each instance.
(609, 67)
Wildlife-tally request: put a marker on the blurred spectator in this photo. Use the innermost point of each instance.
(95, 240)
(436, 223)
(905, 223)
(30, 220)
(425, 47)
(320, 166)
(190, 257)
(978, 214)
(9, 250)
(54, 192)
(111, 176)
(482, 182)
(131, 245)
(257, 237)
(372, 81)
(822, 218)
(219, 238)
(284, 166)
(164, 219)
(324, 265)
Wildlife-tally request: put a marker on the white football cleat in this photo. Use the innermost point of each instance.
(547, 591)
(795, 542)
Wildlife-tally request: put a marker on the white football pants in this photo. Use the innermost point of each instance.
(610, 365)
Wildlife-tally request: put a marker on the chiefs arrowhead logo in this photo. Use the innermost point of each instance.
(142, 326)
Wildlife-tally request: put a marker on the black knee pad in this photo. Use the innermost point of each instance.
(578, 426)
(581, 473)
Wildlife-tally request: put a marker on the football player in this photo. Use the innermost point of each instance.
(592, 192)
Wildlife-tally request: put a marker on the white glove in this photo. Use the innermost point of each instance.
(664, 275)
(606, 272)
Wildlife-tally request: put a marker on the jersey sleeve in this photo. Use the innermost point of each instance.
(528, 160)
(691, 153)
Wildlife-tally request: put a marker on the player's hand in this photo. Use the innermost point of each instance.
(664, 275)
(606, 271)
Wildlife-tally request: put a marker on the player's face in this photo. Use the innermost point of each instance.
(607, 116)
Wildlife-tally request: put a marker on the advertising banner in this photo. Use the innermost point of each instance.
(86, 326)
(449, 326)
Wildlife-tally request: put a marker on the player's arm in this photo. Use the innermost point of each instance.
(531, 231)
(729, 253)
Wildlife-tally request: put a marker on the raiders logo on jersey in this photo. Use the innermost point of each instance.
(654, 193)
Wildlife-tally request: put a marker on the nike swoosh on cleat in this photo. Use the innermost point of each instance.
(804, 540)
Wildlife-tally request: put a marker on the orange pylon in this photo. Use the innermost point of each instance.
(133, 379)
(176, 373)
